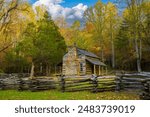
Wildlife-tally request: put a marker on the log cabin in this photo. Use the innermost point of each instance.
(80, 62)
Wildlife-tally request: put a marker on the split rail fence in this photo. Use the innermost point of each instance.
(93, 84)
(132, 83)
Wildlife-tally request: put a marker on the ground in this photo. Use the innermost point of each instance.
(57, 95)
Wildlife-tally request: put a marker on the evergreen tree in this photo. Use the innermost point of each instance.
(43, 43)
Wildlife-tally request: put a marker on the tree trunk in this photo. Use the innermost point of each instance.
(138, 56)
(101, 44)
(55, 69)
(47, 70)
(102, 54)
(32, 71)
(140, 49)
(41, 68)
(113, 54)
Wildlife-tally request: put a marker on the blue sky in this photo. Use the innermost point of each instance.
(71, 3)
(71, 10)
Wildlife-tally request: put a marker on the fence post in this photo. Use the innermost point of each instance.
(95, 83)
(2, 85)
(20, 83)
(32, 85)
(62, 80)
(146, 90)
(119, 83)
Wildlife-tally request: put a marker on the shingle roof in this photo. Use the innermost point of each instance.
(84, 52)
(95, 61)
(92, 58)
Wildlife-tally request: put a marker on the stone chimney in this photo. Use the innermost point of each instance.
(73, 50)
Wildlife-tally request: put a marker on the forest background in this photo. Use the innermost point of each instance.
(32, 41)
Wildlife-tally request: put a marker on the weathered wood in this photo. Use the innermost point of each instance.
(77, 81)
(146, 90)
(76, 85)
(133, 87)
(1, 85)
(135, 83)
(105, 79)
(62, 83)
(92, 84)
(88, 68)
(41, 84)
(81, 87)
(99, 69)
(123, 83)
(107, 83)
(131, 83)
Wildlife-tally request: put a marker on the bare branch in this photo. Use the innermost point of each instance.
(6, 47)
(5, 14)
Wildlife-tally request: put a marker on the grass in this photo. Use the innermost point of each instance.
(57, 95)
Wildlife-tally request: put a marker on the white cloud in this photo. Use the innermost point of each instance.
(46, 2)
(56, 10)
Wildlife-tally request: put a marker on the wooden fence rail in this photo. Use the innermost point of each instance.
(37, 84)
(139, 84)
(1, 85)
(92, 84)
(133, 83)
(146, 90)
(22, 84)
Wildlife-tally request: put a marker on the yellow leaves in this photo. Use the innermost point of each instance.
(89, 27)
(99, 4)
(136, 13)
(111, 12)
(146, 7)
(40, 11)
(110, 7)
(125, 12)
(16, 23)
(97, 49)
